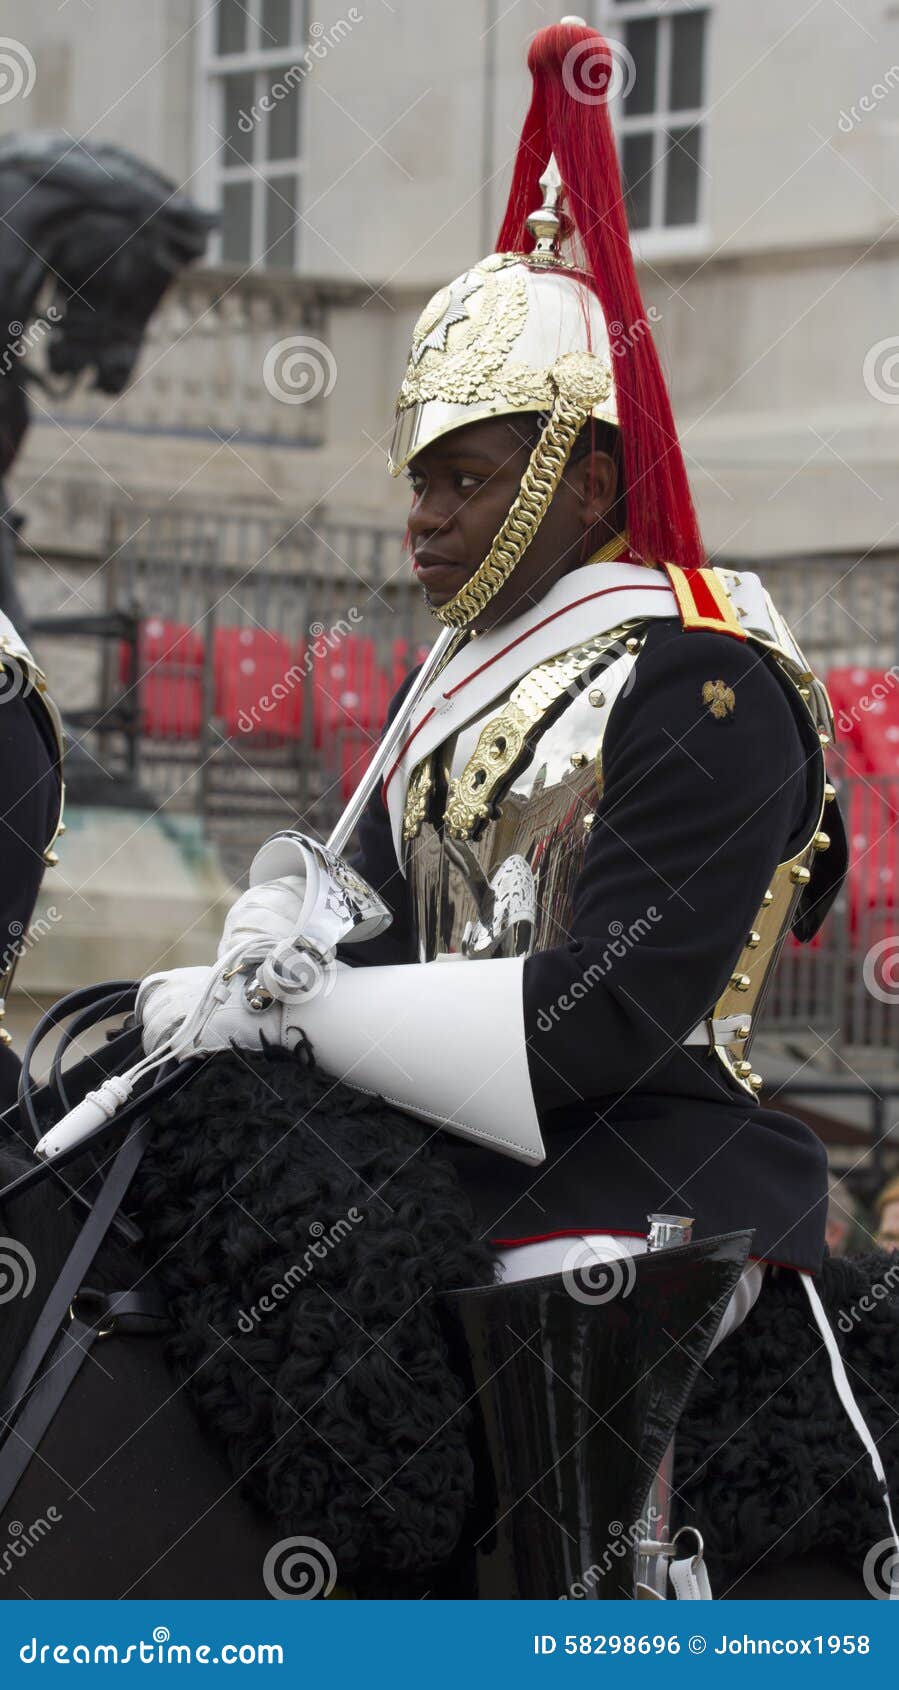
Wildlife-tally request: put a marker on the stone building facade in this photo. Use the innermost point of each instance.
(361, 156)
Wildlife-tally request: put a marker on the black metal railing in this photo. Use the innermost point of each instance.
(295, 582)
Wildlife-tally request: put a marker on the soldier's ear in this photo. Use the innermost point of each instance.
(594, 478)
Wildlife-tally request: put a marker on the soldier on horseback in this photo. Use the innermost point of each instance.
(606, 809)
(602, 807)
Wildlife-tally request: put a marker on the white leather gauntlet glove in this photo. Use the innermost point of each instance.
(259, 919)
(165, 1001)
(443, 1040)
(231, 1023)
(279, 945)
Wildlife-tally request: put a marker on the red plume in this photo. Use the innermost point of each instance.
(572, 67)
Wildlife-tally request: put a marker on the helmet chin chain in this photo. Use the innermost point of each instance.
(579, 385)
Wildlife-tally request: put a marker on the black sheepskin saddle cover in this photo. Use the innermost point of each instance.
(301, 1230)
(767, 1463)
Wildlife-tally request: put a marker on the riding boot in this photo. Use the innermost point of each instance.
(577, 1391)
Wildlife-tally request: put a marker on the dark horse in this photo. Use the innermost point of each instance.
(90, 238)
(281, 1406)
(300, 1386)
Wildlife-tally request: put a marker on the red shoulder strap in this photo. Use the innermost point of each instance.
(702, 600)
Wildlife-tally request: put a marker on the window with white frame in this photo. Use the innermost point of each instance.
(660, 117)
(257, 64)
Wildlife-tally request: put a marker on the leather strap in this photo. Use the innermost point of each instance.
(716, 1030)
(23, 1438)
(847, 1398)
(127, 1311)
(687, 1574)
(61, 1336)
(690, 1580)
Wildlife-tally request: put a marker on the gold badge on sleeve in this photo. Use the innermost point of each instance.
(720, 699)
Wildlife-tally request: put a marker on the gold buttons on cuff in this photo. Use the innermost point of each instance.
(755, 1080)
(579, 759)
(821, 841)
(830, 792)
(800, 876)
(50, 858)
(753, 940)
(741, 982)
(768, 898)
(597, 698)
(743, 1030)
(632, 645)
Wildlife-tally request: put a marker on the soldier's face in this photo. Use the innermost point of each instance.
(462, 487)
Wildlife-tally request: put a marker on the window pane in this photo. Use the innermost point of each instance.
(281, 201)
(642, 40)
(274, 24)
(239, 120)
(237, 214)
(231, 35)
(688, 32)
(282, 123)
(636, 168)
(682, 181)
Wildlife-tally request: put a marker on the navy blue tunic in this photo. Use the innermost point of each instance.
(696, 812)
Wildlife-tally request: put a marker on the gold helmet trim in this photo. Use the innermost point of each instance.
(517, 333)
(580, 383)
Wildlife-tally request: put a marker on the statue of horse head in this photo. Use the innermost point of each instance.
(90, 238)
